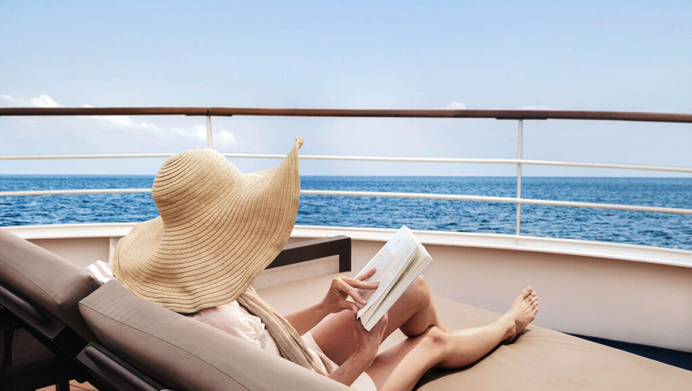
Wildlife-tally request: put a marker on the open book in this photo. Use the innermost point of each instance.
(398, 264)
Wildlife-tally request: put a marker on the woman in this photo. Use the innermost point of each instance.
(219, 228)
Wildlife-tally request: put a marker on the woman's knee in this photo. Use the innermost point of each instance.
(437, 338)
(418, 302)
(420, 289)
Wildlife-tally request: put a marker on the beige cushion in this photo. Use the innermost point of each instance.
(543, 359)
(45, 280)
(185, 354)
(540, 359)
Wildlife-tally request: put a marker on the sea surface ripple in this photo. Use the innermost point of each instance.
(644, 228)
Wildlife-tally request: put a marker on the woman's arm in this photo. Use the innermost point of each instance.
(334, 301)
(304, 320)
(349, 371)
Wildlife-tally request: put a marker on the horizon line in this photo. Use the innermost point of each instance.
(378, 176)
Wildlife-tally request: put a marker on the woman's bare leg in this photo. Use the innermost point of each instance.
(421, 304)
(413, 313)
(400, 367)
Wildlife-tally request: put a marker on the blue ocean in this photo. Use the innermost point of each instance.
(653, 229)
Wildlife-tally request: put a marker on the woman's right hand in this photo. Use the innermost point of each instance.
(342, 287)
(369, 341)
(366, 351)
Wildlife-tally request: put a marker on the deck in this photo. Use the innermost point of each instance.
(74, 385)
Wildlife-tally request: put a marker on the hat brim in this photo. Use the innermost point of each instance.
(209, 257)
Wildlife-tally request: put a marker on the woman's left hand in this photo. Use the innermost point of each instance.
(343, 287)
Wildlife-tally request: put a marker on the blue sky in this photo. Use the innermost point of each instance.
(585, 55)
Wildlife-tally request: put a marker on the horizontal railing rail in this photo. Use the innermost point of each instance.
(24, 193)
(365, 113)
(519, 115)
(365, 158)
(432, 196)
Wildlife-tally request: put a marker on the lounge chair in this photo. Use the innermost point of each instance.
(42, 328)
(142, 346)
(145, 347)
(179, 352)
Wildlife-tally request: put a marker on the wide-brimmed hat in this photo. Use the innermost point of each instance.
(218, 229)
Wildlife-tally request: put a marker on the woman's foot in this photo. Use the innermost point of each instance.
(522, 313)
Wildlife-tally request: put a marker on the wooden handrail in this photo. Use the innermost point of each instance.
(54, 111)
(231, 111)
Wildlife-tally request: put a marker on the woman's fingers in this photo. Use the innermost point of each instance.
(385, 322)
(346, 288)
(380, 327)
(361, 284)
(352, 307)
(366, 275)
(382, 323)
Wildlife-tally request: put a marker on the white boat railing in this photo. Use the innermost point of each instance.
(432, 196)
(520, 116)
(526, 162)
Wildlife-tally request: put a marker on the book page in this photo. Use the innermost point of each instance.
(418, 263)
(390, 262)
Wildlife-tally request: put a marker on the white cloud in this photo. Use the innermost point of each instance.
(199, 132)
(126, 122)
(224, 137)
(455, 106)
(44, 100)
(12, 101)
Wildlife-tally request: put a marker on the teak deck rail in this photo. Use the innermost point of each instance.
(518, 115)
(377, 113)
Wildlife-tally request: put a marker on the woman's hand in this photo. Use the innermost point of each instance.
(366, 351)
(369, 341)
(335, 301)
(343, 287)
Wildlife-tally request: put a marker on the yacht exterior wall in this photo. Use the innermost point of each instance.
(627, 300)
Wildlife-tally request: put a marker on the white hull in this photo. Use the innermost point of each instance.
(628, 293)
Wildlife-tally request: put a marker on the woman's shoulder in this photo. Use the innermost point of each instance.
(230, 312)
(233, 319)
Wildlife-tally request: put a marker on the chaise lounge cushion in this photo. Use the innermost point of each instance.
(185, 354)
(544, 359)
(45, 280)
(540, 359)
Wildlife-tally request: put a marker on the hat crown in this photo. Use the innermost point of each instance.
(190, 181)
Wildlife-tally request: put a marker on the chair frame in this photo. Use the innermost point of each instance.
(65, 343)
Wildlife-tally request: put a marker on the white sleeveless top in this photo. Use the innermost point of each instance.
(235, 320)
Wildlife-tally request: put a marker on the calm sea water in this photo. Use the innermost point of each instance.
(654, 229)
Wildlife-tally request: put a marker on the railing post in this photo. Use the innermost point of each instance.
(210, 143)
(520, 137)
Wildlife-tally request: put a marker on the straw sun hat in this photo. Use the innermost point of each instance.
(218, 229)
